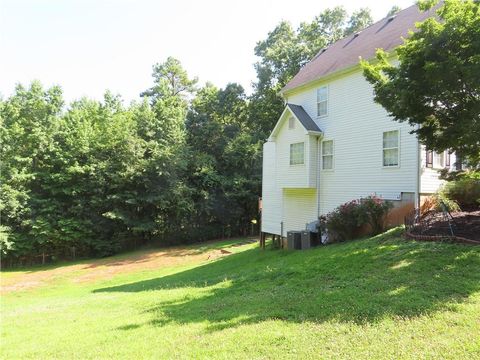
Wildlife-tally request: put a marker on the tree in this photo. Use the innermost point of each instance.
(286, 50)
(224, 168)
(394, 10)
(436, 86)
(170, 80)
(359, 20)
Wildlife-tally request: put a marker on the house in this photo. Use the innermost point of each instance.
(333, 143)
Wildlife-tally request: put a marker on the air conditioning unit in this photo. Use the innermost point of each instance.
(309, 239)
(294, 240)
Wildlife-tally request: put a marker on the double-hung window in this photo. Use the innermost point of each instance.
(327, 155)
(439, 160)
(297, 153)
(322, 101)
(391, 148)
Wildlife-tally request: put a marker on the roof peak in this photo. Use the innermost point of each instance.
(387, 33)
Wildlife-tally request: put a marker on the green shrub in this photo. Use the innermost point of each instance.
(465, 191)
(342, 223)
(373, 211)
(440, 197)
(345, 222)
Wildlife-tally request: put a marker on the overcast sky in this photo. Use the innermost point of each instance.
(88, 46)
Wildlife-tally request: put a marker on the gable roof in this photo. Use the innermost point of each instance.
(301, 115)
(386, 34)
(304, 118)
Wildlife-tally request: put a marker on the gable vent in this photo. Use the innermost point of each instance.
(291, 122)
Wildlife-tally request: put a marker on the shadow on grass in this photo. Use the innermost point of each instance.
(361, 281)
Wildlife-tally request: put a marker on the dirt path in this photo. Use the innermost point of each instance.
(107, 268)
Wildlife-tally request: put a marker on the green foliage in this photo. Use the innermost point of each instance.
(345, 221)
(376, 299)
(184, 164)
(436, 85)
(395, 9)
(436, 200)
(286, 50)
(342, 223)
(465, 191)
(372, 211)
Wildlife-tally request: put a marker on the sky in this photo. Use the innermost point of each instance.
(89, 46)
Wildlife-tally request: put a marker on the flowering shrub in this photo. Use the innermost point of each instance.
(373, 211)
(346, 220)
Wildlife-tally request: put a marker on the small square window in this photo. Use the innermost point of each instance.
(297, 153)
(327, 155)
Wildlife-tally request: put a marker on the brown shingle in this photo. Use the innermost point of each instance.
(386, 34)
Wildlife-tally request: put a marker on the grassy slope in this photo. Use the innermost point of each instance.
(377, 298)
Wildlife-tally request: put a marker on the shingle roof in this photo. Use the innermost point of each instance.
(386, 34)
(304, 118)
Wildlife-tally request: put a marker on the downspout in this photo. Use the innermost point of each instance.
(317, 184)
(418, 178)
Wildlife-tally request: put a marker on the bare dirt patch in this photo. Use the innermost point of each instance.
(107, 268)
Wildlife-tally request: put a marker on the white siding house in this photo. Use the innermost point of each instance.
(333, 143)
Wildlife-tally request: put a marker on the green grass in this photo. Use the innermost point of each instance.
(378, 298)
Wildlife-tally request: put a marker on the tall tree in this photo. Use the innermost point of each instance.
(286, 50)
(436, 86)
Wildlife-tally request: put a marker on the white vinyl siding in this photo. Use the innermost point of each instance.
(391, 148)
(322, 101)
(356, 124)
(271, 194)
(327, 155)
(299, 208)
(297, 154)
(295, 176)
(430, 180)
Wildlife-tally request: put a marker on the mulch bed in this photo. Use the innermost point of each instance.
(467, 227)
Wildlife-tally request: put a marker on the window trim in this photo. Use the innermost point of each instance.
(397, 147)
(317, 102)
(332, 155)
(290, 154)
(435, 165)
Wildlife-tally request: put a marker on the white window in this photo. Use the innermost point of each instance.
(391, 148)
(322, 101)
(291, 122)
(297, 153)
(438, 160)
(327, 154)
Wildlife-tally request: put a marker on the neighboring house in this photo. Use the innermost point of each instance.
(333, 143)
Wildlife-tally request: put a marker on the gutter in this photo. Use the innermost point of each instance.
(318, 175)
(418, 177)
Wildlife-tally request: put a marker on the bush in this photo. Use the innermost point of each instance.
(434, 201)
(346, 221)
(465, 191)
(373, 211)
(341, 224)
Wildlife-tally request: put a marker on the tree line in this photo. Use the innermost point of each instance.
(181, 164)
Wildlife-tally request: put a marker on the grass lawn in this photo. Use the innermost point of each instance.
(377, 298)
